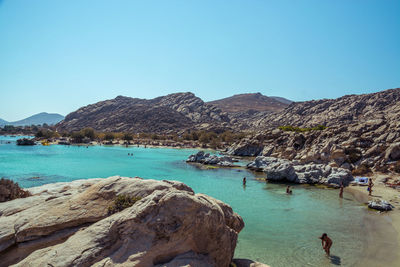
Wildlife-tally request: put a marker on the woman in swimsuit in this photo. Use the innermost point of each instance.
(326, 243)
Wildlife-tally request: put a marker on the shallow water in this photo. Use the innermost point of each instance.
(280, 230)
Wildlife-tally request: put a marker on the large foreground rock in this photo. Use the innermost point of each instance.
(67, 224)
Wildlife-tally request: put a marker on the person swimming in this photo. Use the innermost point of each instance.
(326, 243)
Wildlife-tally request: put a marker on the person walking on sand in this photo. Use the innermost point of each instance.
(326, 243)
(370, 185)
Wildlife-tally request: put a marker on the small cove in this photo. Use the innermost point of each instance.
(280, 230)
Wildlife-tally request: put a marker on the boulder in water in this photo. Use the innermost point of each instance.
(25, 142)
(207, 159)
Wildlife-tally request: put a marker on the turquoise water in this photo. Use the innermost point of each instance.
(280, 230)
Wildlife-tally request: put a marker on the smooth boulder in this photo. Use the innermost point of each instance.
(67, 224)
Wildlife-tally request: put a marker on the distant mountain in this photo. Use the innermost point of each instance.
(3, 122)
(254, 101)
(40, 118)
(162, 114)
(282, 100)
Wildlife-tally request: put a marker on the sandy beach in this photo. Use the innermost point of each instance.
(382, 229)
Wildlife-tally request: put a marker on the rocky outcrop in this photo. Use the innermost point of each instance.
(207, 159)
(380, 205)
(246, 148)
(26, 142)
(393, 152)
(67, 224)
(284, 170)
(362, 132)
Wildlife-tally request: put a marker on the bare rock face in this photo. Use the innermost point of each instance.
(246, 148)
(252, 101)
(177, 111)
(393, 152)
(68, 224)
(207, 159)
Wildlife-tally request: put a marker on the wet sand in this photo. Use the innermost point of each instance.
(381, 229)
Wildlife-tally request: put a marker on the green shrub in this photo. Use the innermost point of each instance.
(77, 137)
(109, 136)
(122, 202)
(10, 190)
(361, 170)
(128, 137)
(290, 128)
(89, 133)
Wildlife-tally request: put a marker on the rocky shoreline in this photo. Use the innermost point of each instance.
(282, 170)
(69, 224)
(208, 159)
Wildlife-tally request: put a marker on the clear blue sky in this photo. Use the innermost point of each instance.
(57, 56)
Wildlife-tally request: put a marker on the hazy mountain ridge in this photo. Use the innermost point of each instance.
(40, 118)
(3, 122)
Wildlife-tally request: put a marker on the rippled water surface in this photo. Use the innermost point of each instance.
(280, 230)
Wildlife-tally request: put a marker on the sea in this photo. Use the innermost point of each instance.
(280, 229)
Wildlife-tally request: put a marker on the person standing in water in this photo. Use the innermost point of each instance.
(341, 190)
(244, 181)
(288, 190)
(326, 243)
(370, 185)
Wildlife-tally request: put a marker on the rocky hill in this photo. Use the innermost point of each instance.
(362, 134)
(340, 111)
(162, 114)
(247, 102)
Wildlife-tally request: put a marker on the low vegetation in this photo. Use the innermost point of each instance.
(24, 130)
(291, 128)
(122, 202)
(10, 190)
(361, 170)
(213, 139)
